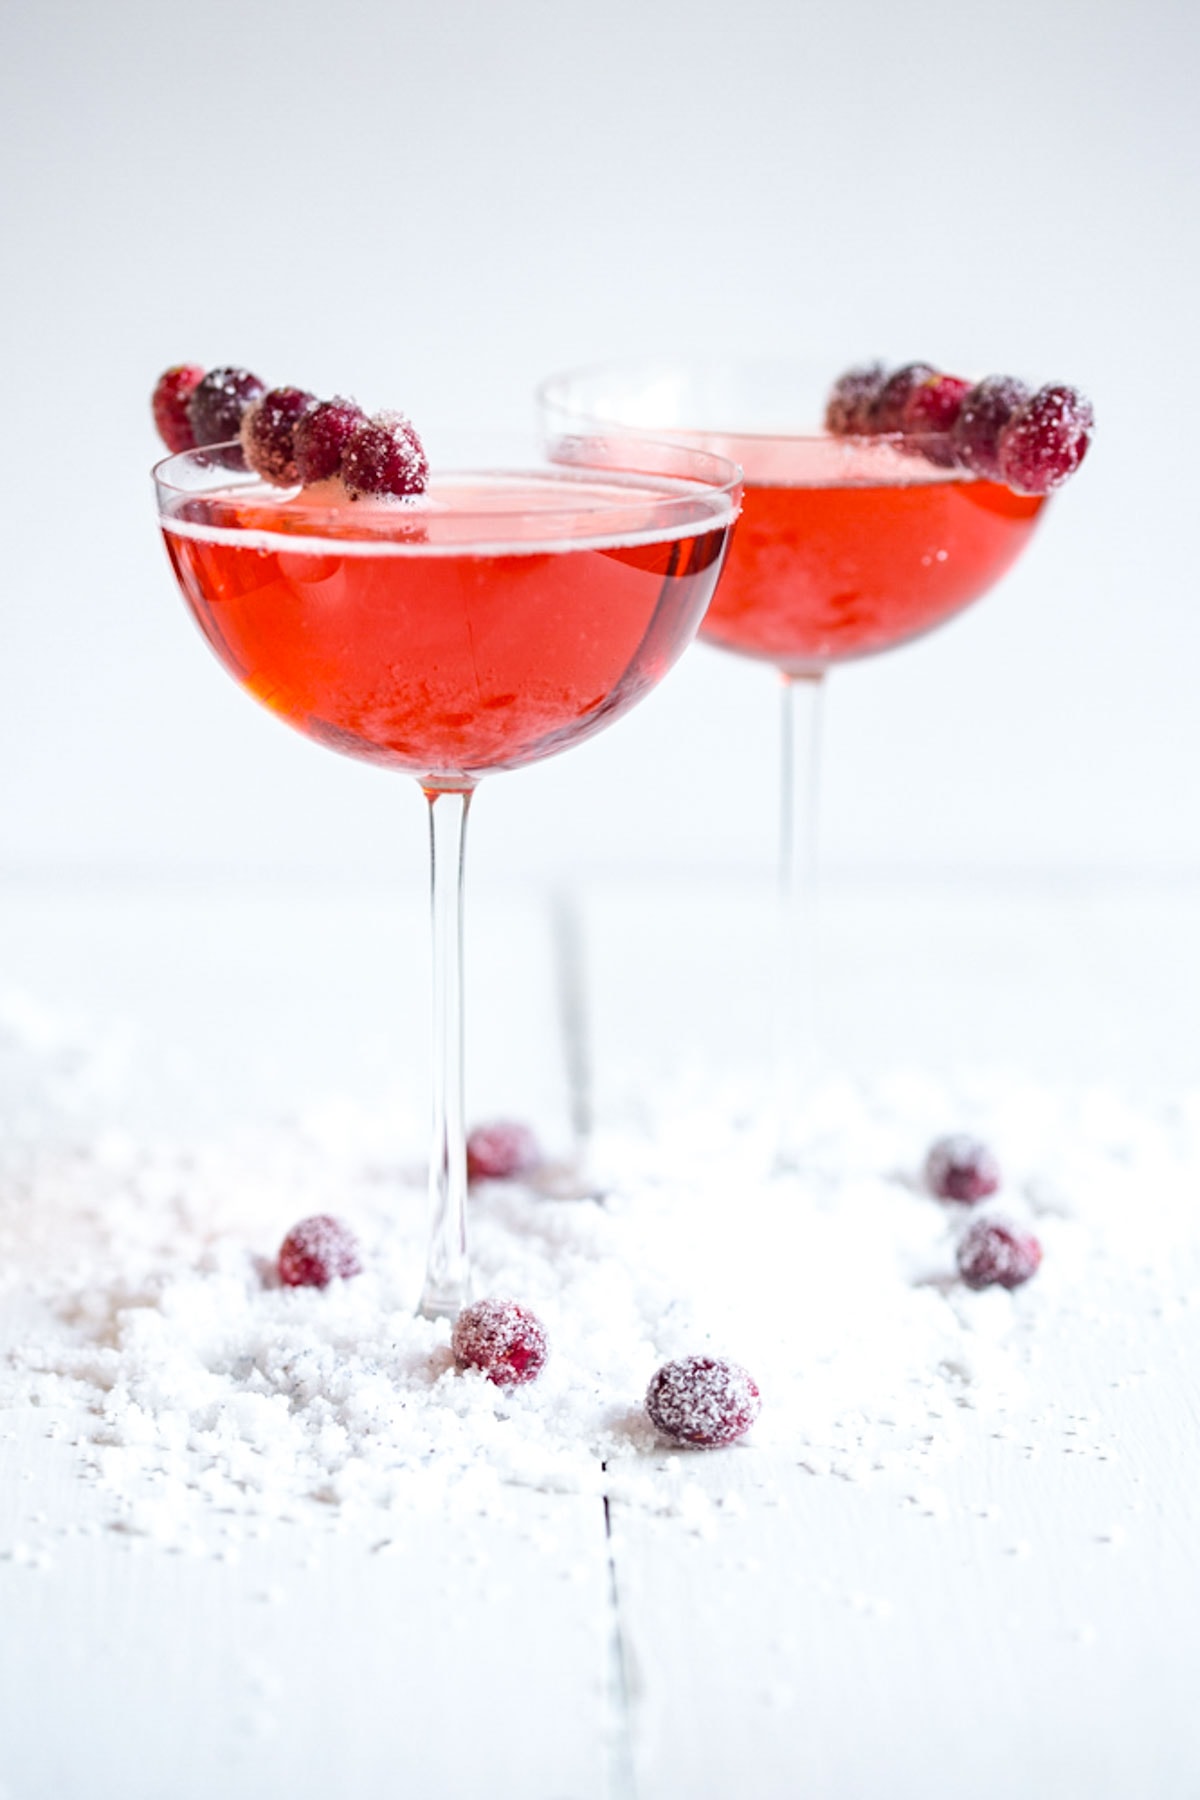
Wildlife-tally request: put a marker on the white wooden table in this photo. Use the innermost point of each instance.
(1036, 1631)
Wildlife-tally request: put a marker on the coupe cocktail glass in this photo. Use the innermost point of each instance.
(527, 600)
(846, 546)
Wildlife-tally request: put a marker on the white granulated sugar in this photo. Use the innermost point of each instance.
(155, 1334)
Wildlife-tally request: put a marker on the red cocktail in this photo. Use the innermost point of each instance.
(848, 547)
(401, 636)
(513, 609)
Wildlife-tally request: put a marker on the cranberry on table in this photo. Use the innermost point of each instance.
(1045, 440)
(995, 1253)
(172, 392)
(501, 1151)
(705, 1401)
(317, 1251)
(502, 1340)
(321, 438)
(268, 433)
(985, 411)
(384, 459)
(961, 1167)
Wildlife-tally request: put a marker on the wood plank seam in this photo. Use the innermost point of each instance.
(622, 1782)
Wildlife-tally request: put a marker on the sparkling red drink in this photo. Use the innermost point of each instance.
(501, 612)
(394, 634)
(845, 548)
(868, 519)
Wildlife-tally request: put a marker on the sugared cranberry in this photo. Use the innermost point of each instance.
(172, 392)
(848, 409)
(985, 411)
(504, 1341)
(385, 458)
(321, 437)
(268, 432)
(1045, 440)
(218, 401)
(500, 1151)
(887, 413)
(960, 1167)
(703, 1400)
(318, 1250)
(931, 411)
(994, 1253)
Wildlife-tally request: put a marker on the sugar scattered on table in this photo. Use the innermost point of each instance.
(199, 1391)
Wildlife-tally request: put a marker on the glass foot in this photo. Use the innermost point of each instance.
(443, 1302)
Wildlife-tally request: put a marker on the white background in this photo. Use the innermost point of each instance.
(433, 205)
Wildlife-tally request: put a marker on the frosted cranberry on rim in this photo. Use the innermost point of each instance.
(287, 435)
(996, 428)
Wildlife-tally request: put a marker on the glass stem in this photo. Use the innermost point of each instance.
(447, 1272)
(796, 999)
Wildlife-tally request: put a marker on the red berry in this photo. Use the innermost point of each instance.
(960, 1167)
(985, 411)
(321, 437)
(1045, 440)
(502, 1340)
(994, 1253)
(318, 1250)
(703, 1400)
(933, 405)
(501, 1150)
(172, 392)
(384, 458)
(268, 429)
(848, 410)
(887, 412)
(218, 402)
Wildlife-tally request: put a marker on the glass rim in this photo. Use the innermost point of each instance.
(683, 475)
(549, 395)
